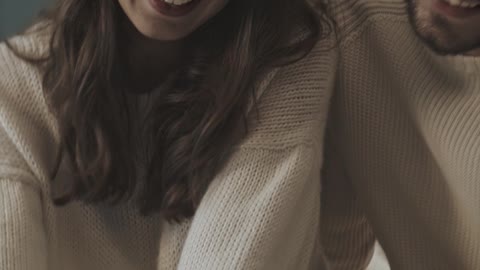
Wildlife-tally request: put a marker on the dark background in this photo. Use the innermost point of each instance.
(16, 15)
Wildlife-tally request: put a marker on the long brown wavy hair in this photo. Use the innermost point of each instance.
(194, 124)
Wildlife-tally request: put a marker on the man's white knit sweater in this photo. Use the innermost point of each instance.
(261, 211)
(403, 146)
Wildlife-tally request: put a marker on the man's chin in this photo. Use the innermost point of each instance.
(445, 48)
(442, 45)
(438, 34)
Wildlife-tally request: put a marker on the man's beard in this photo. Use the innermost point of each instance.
(437, 33)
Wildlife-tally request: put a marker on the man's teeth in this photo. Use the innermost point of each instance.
(464, 3)
(177, 2)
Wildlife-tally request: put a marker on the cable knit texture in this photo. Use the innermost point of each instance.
(403, 146)
(262, 211)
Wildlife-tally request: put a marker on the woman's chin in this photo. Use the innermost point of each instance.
(162, 32)
(163, 35)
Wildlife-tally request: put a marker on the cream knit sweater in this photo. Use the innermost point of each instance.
(262, 211)
(403, 146)
(401, 161)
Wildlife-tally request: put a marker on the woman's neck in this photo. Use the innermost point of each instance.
(147, 62)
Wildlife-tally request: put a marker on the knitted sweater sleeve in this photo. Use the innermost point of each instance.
(22, 234)
(261, 214)
(23, 241)
(262, 210)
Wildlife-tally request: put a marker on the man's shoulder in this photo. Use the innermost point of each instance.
(352, 17)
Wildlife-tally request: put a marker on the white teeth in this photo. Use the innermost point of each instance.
(177, 2)
(464, 3)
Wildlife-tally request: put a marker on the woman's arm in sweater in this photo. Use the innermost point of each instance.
(22, 234)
